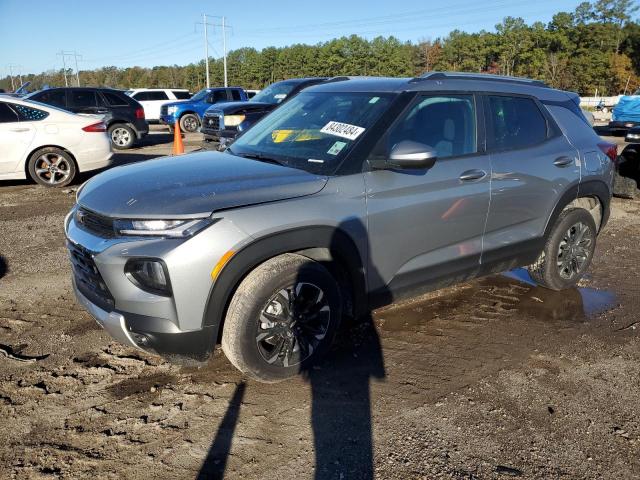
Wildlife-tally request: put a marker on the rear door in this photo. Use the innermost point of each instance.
(532, 165)
(427, 225)
(85, 101)
(15, 138)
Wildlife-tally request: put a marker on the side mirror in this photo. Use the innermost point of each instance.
(410, 154)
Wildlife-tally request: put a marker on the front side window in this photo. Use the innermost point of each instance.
(6, 114)
(446, 123)
(516, 122)
(217, 96)
(235, 95)
(201, 95)
(314, 131)
(83, 98)
(53, 97)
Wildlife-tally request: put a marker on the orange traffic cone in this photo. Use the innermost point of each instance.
(178, 147)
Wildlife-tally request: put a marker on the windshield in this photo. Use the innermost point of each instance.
(274, 93)
(312, 131)
(201, 95)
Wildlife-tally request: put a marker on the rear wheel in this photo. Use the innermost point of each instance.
(122, 136)
(282, 318)
(568, 251)
(189, 123)
(51, 167)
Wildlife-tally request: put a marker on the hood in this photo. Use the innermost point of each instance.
(193, 185)
(229, 108)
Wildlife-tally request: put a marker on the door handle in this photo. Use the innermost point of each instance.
(471, 175)
(563, 161)
(19, 130)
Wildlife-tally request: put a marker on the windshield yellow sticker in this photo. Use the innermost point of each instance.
(280, 136)
(344, 130)
(336, 148)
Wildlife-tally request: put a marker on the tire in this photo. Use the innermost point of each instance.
(52, 167)
(571, 241)
(189, 123)
(256, 322)
(122, 136)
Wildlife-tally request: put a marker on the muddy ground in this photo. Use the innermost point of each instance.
(495, 378)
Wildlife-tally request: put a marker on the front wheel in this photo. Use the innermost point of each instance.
(282, 318)
(568, 251)
(189, 123)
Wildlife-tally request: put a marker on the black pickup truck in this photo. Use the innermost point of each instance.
(222, 123)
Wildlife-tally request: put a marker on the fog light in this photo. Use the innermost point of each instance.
(140, 339)
(149, 275)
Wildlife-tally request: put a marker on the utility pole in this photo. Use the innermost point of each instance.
(206, 47)
(224, 27)
(75, 56)
(224, 51)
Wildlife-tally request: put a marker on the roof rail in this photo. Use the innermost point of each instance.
(337, 79)
(477, 76)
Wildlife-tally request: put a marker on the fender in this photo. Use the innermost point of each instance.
(595, 188)
(337, 241)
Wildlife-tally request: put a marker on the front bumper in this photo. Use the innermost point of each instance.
(167, 325)
(168, 120)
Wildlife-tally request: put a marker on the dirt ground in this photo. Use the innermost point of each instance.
(495, 378)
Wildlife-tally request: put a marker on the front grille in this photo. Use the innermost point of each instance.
(88, 278)
(94, 223)
(212, 122)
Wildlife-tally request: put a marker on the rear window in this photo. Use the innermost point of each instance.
(116, 99)
(181, 95)
(516, 122)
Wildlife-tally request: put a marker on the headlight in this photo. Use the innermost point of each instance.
(172, 110)
(161, 228)
(634, 136)
(233, 120)
(149, 274)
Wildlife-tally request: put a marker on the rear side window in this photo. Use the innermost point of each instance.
(516, 123)
(115, 99)
(181, 95)
(446, 123)
(235, 95)
(6, 114)
(52, 97)
(83, 98)
(30, 114)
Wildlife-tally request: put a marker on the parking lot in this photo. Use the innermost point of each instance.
(493, 378)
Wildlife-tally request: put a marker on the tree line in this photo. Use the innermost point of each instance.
(595, 47)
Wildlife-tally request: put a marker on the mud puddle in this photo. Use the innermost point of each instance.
(512, 294)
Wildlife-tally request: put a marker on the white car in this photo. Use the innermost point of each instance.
(49, 144)
(152, 99)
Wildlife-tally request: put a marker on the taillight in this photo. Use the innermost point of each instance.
(96, 127)
(140, 114)
(610, 150)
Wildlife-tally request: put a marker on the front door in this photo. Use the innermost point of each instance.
(426, 226)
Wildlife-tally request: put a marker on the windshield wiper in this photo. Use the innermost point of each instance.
(259, 157)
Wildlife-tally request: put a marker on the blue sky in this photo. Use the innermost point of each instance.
(162, 32)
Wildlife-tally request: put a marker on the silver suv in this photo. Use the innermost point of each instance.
(354, 194)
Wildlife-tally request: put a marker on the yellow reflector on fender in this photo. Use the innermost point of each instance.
(221, 263)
